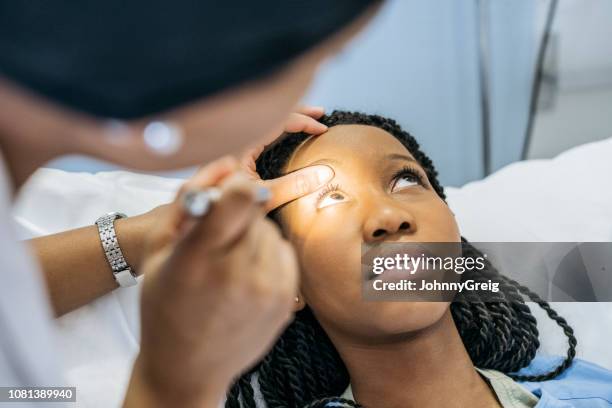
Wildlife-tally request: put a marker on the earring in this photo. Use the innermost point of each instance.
(297, 299)
(162, 138)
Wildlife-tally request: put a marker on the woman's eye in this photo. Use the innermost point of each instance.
(403, 182)
(331, 199)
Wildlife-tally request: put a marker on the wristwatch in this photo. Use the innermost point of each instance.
(122, 272)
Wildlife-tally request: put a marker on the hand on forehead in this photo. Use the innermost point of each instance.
(349, 148)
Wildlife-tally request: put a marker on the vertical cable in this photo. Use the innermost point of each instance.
(537, 77)
(483, 79)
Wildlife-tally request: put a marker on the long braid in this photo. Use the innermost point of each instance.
(304, 370)
(562, 323)
(506, 333)
(335, 402)
(233, 397)
(241, 394)
(246, 391)
(272, 390)
(304, 335)
(511, 353)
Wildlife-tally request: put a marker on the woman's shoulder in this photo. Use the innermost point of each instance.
(583, 384)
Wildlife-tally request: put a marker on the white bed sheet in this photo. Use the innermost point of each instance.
(568, 198)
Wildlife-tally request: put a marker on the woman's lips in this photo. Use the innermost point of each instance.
(397, 275)
(391, 250)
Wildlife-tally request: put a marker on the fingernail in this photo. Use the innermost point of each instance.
(262, 194)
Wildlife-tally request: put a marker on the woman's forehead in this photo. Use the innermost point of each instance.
(359, 143)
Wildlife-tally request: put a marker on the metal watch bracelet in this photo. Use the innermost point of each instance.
(122, 272)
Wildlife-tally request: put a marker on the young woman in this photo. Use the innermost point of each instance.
(340, 349)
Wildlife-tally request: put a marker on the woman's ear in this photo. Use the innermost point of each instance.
(300, 303)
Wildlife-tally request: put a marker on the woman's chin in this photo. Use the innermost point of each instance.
(404, 317)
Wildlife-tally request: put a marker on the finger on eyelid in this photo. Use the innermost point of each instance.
(297, 184)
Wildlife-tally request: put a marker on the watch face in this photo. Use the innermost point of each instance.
(115, 215)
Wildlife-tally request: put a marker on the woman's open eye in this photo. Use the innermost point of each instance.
(406, 178)
(330, 195)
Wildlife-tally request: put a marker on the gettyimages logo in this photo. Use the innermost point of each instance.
(443, 271)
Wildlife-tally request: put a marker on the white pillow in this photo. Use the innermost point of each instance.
(565, 199)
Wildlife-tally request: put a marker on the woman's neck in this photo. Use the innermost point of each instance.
(426, 369)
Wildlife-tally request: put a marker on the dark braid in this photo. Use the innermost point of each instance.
(333, 402)
(233, 397)
(241, 394)
(561, 322)
(304, 370)
(504, 335)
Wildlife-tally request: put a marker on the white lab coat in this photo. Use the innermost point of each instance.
(27, 353)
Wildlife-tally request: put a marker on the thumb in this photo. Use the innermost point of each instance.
(297, 184)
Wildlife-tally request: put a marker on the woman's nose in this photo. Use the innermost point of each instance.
(387, 221)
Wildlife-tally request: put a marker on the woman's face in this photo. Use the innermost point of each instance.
(379, 194)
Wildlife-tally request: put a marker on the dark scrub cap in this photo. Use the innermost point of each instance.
(126, 59)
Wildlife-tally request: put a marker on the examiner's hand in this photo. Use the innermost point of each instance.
(133, 230)
(300, 182)
(217, 292)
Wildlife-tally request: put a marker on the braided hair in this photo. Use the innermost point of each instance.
(304, 370)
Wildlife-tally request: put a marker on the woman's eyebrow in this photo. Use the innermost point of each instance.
(324, 161)
(398, 156)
